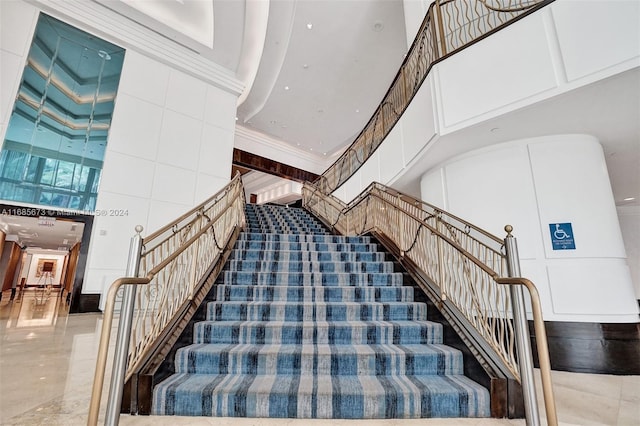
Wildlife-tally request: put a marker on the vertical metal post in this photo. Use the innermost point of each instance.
(443, 42)
(523, 342)
(441, 284)
(112, 416)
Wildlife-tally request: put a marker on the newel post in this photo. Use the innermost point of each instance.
(523, 342)
(112, 416)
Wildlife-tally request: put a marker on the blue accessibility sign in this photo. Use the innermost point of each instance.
(562, 236)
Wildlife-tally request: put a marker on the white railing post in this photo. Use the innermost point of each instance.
(112, 416)
(523, 342)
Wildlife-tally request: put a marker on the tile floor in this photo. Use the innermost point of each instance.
(47, 362)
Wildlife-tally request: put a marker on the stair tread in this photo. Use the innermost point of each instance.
(363, 397)
(307, 324)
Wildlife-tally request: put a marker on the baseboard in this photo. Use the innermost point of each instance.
(85, 303)
(600, 348)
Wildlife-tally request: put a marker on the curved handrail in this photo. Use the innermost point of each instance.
(448, 27)
(541, 342)
(173, 265)
(466, 264)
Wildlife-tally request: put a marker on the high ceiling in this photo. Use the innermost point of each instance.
(315, 70)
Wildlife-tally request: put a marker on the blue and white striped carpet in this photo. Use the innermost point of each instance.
(310, 325)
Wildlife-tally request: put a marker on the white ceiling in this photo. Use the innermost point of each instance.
(50, 234)
(327, 73)
(315, 88)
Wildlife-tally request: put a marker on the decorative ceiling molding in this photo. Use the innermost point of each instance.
(66, 120)
(96, 18)
(194, 19)
(271, 167)
(279, 28)
(256, 19)
(273, 144)
(66, 90)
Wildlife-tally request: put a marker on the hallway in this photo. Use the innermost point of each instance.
(47, 361)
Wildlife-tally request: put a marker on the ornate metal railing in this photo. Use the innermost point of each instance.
(467, 265)
(169, 267)
(449, 26)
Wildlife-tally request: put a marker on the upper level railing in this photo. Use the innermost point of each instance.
(467, 267)
(169, 266)
(449, 26)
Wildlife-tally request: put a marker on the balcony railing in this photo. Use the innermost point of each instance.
(463, 265)
(448, 27)
(169, 267)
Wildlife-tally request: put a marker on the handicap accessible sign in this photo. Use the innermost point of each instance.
(562, 236)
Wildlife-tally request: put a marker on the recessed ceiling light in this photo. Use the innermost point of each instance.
(305, 66)
(324, 153)
(273, 122)
(629, 199)
(320, 110)
(378, 26)
(357, 110)
(309, 26)
(286, 87)
(236, 118)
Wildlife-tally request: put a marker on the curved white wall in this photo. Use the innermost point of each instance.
(558, 50)
(532, 184)
(565, 46)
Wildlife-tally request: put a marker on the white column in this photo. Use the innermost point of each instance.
(540, 186)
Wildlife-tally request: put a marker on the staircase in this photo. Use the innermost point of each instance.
(310, 325)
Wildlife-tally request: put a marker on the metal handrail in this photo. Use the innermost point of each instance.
(466, 264)
(448, 27)
(172, 262)
(541, 342)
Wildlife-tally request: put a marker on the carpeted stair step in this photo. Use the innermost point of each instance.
(321, 332)
(246, 236)
(307, 256)
(308, 266)
(304, 246)
(283, 228)
(323, 397)
(253, 293)
(323, 360)
(315, 311)
(312, 278)
(304, 324)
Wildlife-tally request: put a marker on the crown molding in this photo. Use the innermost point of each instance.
(273, 144)
(95, 18)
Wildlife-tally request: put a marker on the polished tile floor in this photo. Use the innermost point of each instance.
(47, 362)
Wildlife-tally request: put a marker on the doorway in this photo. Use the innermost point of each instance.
(44, 252)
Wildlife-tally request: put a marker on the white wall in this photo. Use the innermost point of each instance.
(566, 45)
(629, 217)
(171, 140)
(17, 24)
(170, 147)
(590, 283)
(563, 47)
